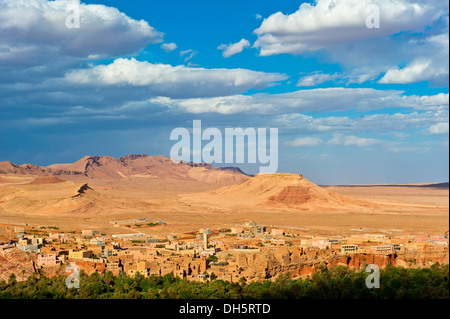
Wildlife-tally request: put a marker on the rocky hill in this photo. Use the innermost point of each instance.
(275, 190)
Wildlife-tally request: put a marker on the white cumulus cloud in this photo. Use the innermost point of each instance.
(168, 80)
(313, 100)
(305, 141)
(328, 22)
(39, 26)
(352, 140)
(168, 47)
(429, 65)
(439, 128)
(316, 79)
(233, 48)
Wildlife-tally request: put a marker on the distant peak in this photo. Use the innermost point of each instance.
(8, 164)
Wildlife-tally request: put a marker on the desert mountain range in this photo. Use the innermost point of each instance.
(96, 190)
(85, 184)
(130, 167)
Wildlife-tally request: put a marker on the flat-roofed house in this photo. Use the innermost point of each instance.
(46, 259)
(277, 232)
(349, 249)
(236, 230)
(79, 254)
(383, 249)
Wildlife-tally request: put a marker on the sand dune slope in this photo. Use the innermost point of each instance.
(48, 196)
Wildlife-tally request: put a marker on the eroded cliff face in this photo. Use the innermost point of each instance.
(357, 261)
(14, 261)
(301, 263)
(426, 257)
(410, 259)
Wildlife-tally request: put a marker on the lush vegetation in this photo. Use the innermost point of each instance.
(339, 282)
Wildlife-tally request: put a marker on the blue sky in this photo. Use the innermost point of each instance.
(352, 104)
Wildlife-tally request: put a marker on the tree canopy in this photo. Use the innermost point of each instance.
(339, 282)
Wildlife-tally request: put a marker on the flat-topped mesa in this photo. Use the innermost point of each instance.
(283, 176)
(46, 181)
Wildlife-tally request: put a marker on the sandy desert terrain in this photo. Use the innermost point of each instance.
(188, 198)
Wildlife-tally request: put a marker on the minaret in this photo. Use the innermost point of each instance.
(205, 240)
